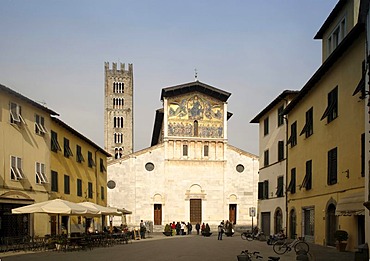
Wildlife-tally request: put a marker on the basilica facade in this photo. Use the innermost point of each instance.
(189, 173)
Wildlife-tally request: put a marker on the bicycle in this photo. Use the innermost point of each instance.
(251, 236)
(281, 247)
(248, 256)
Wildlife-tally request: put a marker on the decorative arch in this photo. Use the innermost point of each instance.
(157, 198)
(278, 220)
(331, 222)
(195, 191)
(233, 198)
(292, 223)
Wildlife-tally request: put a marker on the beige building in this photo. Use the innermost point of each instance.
(272, 202)
(190, 173)
(326, 129)
(24, 159)
(118, 113)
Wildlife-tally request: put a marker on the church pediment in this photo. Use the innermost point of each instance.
(195, 87)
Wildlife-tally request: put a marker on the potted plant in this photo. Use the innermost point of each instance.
(167, 230)
(341, 236)
(60, 241)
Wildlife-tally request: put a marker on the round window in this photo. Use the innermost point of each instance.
(111, 184)
(149, 166)
(239, 168)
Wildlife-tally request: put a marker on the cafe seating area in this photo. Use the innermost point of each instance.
(62, 243)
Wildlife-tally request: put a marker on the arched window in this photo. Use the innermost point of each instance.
(195, 128)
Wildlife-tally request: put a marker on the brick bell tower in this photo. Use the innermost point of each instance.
(118, 110)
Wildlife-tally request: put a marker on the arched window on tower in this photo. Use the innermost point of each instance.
(195, 128)
(116, 154)
(115, 122)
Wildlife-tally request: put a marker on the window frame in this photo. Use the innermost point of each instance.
(281, 150)
(293, 135)
(79, 187)
(266, 126)
(280, 116)
(89, 190)
(91, 162)
(331, 111)
(266, 158)
(308, 127)
(67, 149)
(40, 125)
(54, 181)
(54, 144)
(307, 181)
(185, 151)
(79, 156)
(206, 150)
(67, 184)
(40, 173)
(102, 167)
(15, 111)
(292, 184)
(280, 187)
(332, 174)
(16, 171)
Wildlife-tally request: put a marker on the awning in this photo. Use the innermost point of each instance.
(351, 205)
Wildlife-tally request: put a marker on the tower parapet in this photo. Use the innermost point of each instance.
(115, 70)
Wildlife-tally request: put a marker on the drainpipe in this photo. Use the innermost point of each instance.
(285, 117)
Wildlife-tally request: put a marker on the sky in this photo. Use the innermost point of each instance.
(53, 52)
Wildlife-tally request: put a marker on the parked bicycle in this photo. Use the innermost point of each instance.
(249, 256)
(282, 246)
(248, 235)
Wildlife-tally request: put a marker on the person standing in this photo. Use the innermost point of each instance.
(142, 230)
(203, 228)
(220, 231)
(197, 227)
(190, 228)
(173, 227)
(182, 228)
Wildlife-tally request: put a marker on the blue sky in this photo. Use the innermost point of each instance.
(54, 52)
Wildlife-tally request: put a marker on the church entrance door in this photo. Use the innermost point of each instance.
(232, 213)
(157, 214)
(195, 211)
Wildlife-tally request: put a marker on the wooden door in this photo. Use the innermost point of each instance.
(232, 213)
(331, 225)
(265, 222)
(195, 211)
(53, 225)
(157, 214)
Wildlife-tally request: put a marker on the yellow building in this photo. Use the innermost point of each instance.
(24, 159)
(43, 158)
(326, 131)
(78, 173)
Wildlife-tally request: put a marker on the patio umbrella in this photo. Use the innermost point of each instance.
(101, 209)
(56, 206)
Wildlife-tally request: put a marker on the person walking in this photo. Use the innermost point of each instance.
(220, 230)
(197, 227)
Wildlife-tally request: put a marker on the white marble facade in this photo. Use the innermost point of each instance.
(191, 175)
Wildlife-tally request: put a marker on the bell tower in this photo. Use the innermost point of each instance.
(118, 110)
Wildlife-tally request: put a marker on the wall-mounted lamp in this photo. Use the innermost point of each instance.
(347, 173)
